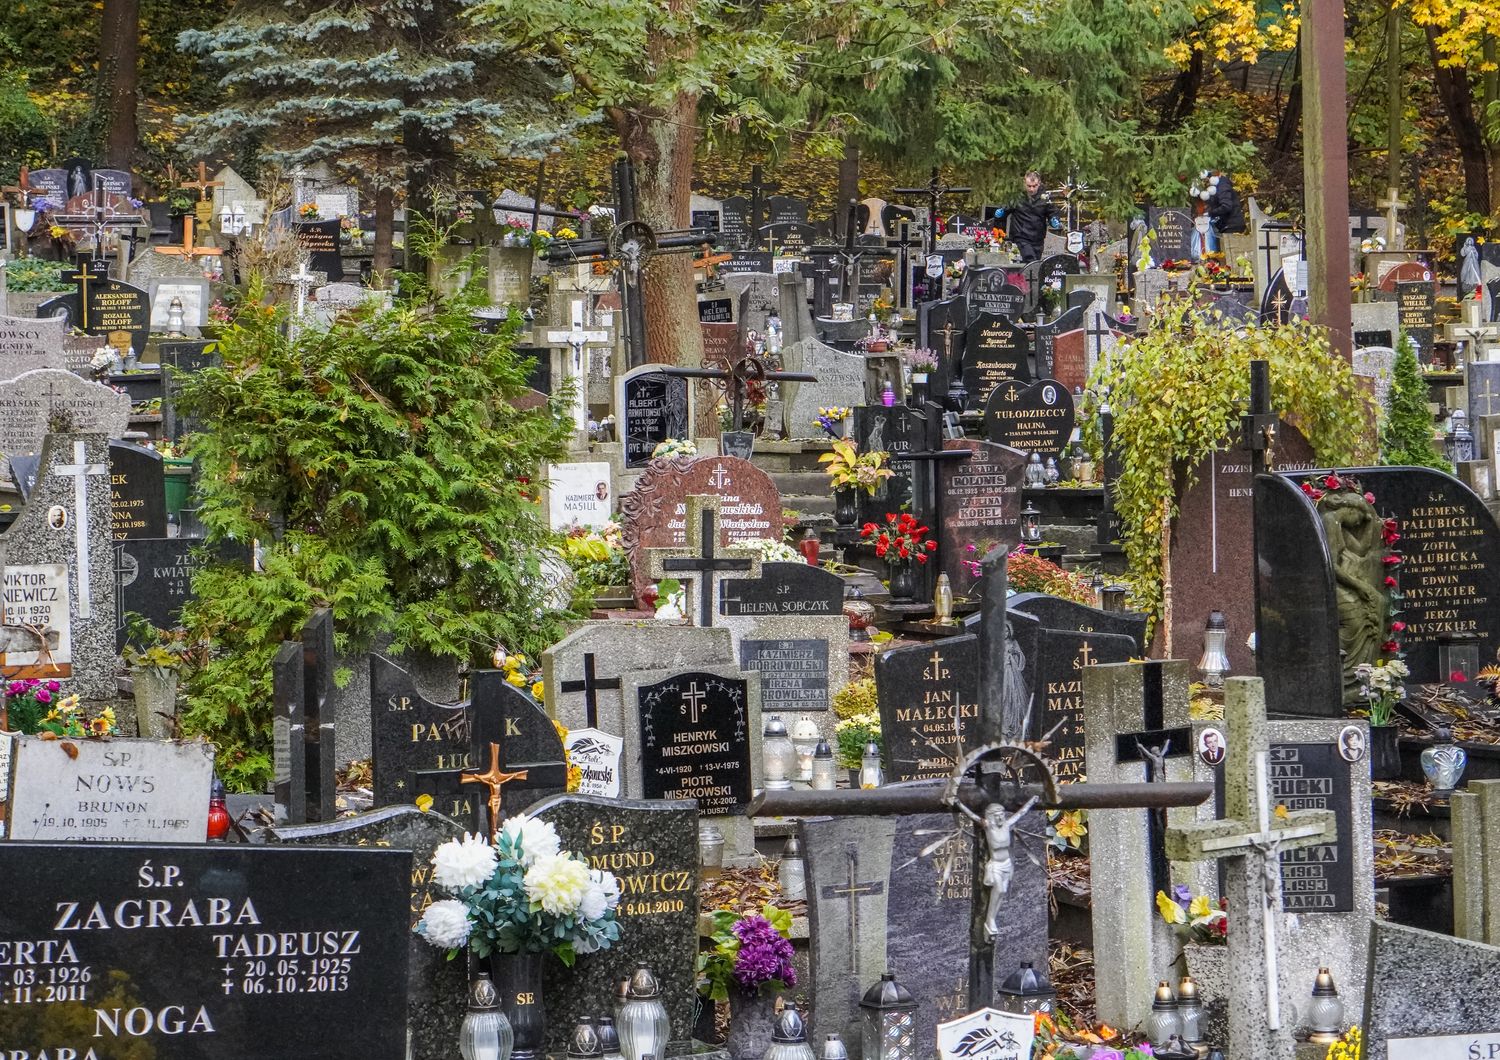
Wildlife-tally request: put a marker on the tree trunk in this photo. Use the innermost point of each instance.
(1182, 100)
(848, 188)
(118, 74)
(660, 146)
(1290, 123)
(1453, 89)
(385, 226)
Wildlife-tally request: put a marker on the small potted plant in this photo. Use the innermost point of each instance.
(920, 363)
(852, 734)
(1380, 685)
(750, 963)
(849, 471)
(899, 541)
(154, 656)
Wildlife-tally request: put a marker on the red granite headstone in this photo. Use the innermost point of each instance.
(1213, 551)
(654, 513)
(980, 506)
(1070, 365)
(1404, 273)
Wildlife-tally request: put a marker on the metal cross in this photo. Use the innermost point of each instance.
(579, 338)
(956, 389)
(21, 187)
(80, 471)
(934, 189)
(590, 686)
(852, 892)
(494, 779)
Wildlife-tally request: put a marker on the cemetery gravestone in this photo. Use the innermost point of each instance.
(1416, 308)
(991, 291)
(1374, 323)
(841, 382)
(802, 660)
(191, 293)
(1211, 545)
(79, 352)
(654, 513)
(979, 503)
(204, 988)
(154, 576)
(579, 495)
(1482, 382)
(1045, 339)
(128, 791)
(104, 306)
(784, 589)
(929, 701)
(653, 406)
(58, 575)
(1172, 235)
(652, 848)
(1033, 419)
(138, 499)
(27, 343)
(1405, 1019)
(1070, 359)
(1055, 612)
(996, 350)
(1062, 657)
(896, 430)
(436, 986)
(319, 240)
(1377, 364)
(33, 400)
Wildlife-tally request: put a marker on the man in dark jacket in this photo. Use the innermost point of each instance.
(1026, 223)
(1224, 208)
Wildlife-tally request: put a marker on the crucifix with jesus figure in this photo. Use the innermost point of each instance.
(990, 782)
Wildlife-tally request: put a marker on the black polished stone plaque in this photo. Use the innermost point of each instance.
(793, 671)
(996, 350)
(716, 310)
(320, 239)
(1312, 776)
(205, 952)
(1416, 309)
(154, 576)
(784, 589)
(655, 410)
(929, 706)
(1056, 612)
(1034, 419)
(137, 489)
(1171, 235)
(1061, 658)
(695, 741)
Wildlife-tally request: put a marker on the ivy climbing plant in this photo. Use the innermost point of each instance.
(1177, 392)
(386, 470)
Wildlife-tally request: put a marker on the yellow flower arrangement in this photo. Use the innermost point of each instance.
(1349, 1047)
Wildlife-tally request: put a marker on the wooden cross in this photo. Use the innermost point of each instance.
(1251, 845)
(983, 780)
(188, 250)
(21, 187)
(202, 184)
(1391, 204)
(756, 187)
(494, 779)
(700, 561)
(590, 686)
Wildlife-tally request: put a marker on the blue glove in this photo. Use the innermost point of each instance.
(1055, 224)
(999, 213)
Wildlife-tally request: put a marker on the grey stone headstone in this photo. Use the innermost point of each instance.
(841, 381)
(46, 399)
(1376, 363)
(49, 537)
(30, 342)
(1422, 985)
(803, 660)
(758, 296)
(652, 848)
(1378, 322)
(435, 986)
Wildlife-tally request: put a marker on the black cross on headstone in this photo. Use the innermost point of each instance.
(702, 566)
(926, 491)
(757, 189)
(1269, 247)
(902, 245)
(957, 392)
(1258, 424)
(1153, 745)
(823, 268)
(934, 189)
(590, 686)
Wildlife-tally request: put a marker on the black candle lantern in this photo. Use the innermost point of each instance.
(1031, 524)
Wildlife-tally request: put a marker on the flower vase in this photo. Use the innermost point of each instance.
(752, 1018)
(518, 978)
(845, 506)
(1385, 752)
(917, 396)
(1209, 967)
(155, 701)
(903, 581)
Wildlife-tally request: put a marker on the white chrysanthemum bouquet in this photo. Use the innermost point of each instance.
(524, 894)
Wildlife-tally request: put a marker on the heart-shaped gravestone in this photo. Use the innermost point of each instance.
(1034, 419)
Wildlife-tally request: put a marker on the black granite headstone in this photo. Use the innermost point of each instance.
(897, 429)
(1313, 776)
(1056, 612)
(932, 320)
(996, 350)
(784, 589)
(137, 486)
(1062, 656)
(929, 705)
(113, 307)
(784, 209)
(1416, 311)
(695, 741)
(1045, 335)
(189, 952)
(990, 291)
(716, 310)
(652, 848)
(154, 576)
(793, 671)
(734, 222)
(1054, 267)
(788, 235)
(1172, 234)
(320, 239)
(436, 987)
(656, 408)
(1034, 419)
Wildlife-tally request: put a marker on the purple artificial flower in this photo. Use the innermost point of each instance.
(1106, 1054)
(764, 955)
(1182, 895)
(53, 686)
(15, 688)
(44, 696)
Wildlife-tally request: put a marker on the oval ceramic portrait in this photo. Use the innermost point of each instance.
(57, 517)
(1351, 743)
(1211, 746)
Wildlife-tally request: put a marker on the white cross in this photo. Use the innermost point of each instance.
(80, 472)
(579, 339)
(693, 699)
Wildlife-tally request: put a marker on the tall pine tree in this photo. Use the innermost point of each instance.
(385, 91)
(1406, 437)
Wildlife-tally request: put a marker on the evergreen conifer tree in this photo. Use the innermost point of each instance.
(1407, 435)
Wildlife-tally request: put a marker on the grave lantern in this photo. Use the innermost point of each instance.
(643, 1024)
(1164, 1020)
(777, 754)
(1325, 1016)
(791, 871)
(1458, 654)
(833, 1048)
(1459, 445)
(609, 1038)
(805, 739)
(870, 775)
(823, 778)
(1190, 1006)
(888, 1021)
(1113, 597)
(583, 1043)
(176, 319)
(789, 1037)
(1443, 762)
(485, 1034)
(1026, 991)
(1031, 524)
(1214, 662)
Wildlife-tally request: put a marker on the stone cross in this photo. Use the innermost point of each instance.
(590, 686)
(578, 338)
(700, 562)
(1250, 840)
(80, 471)
(1391, 204)
(993, 775)
(1477, 334)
